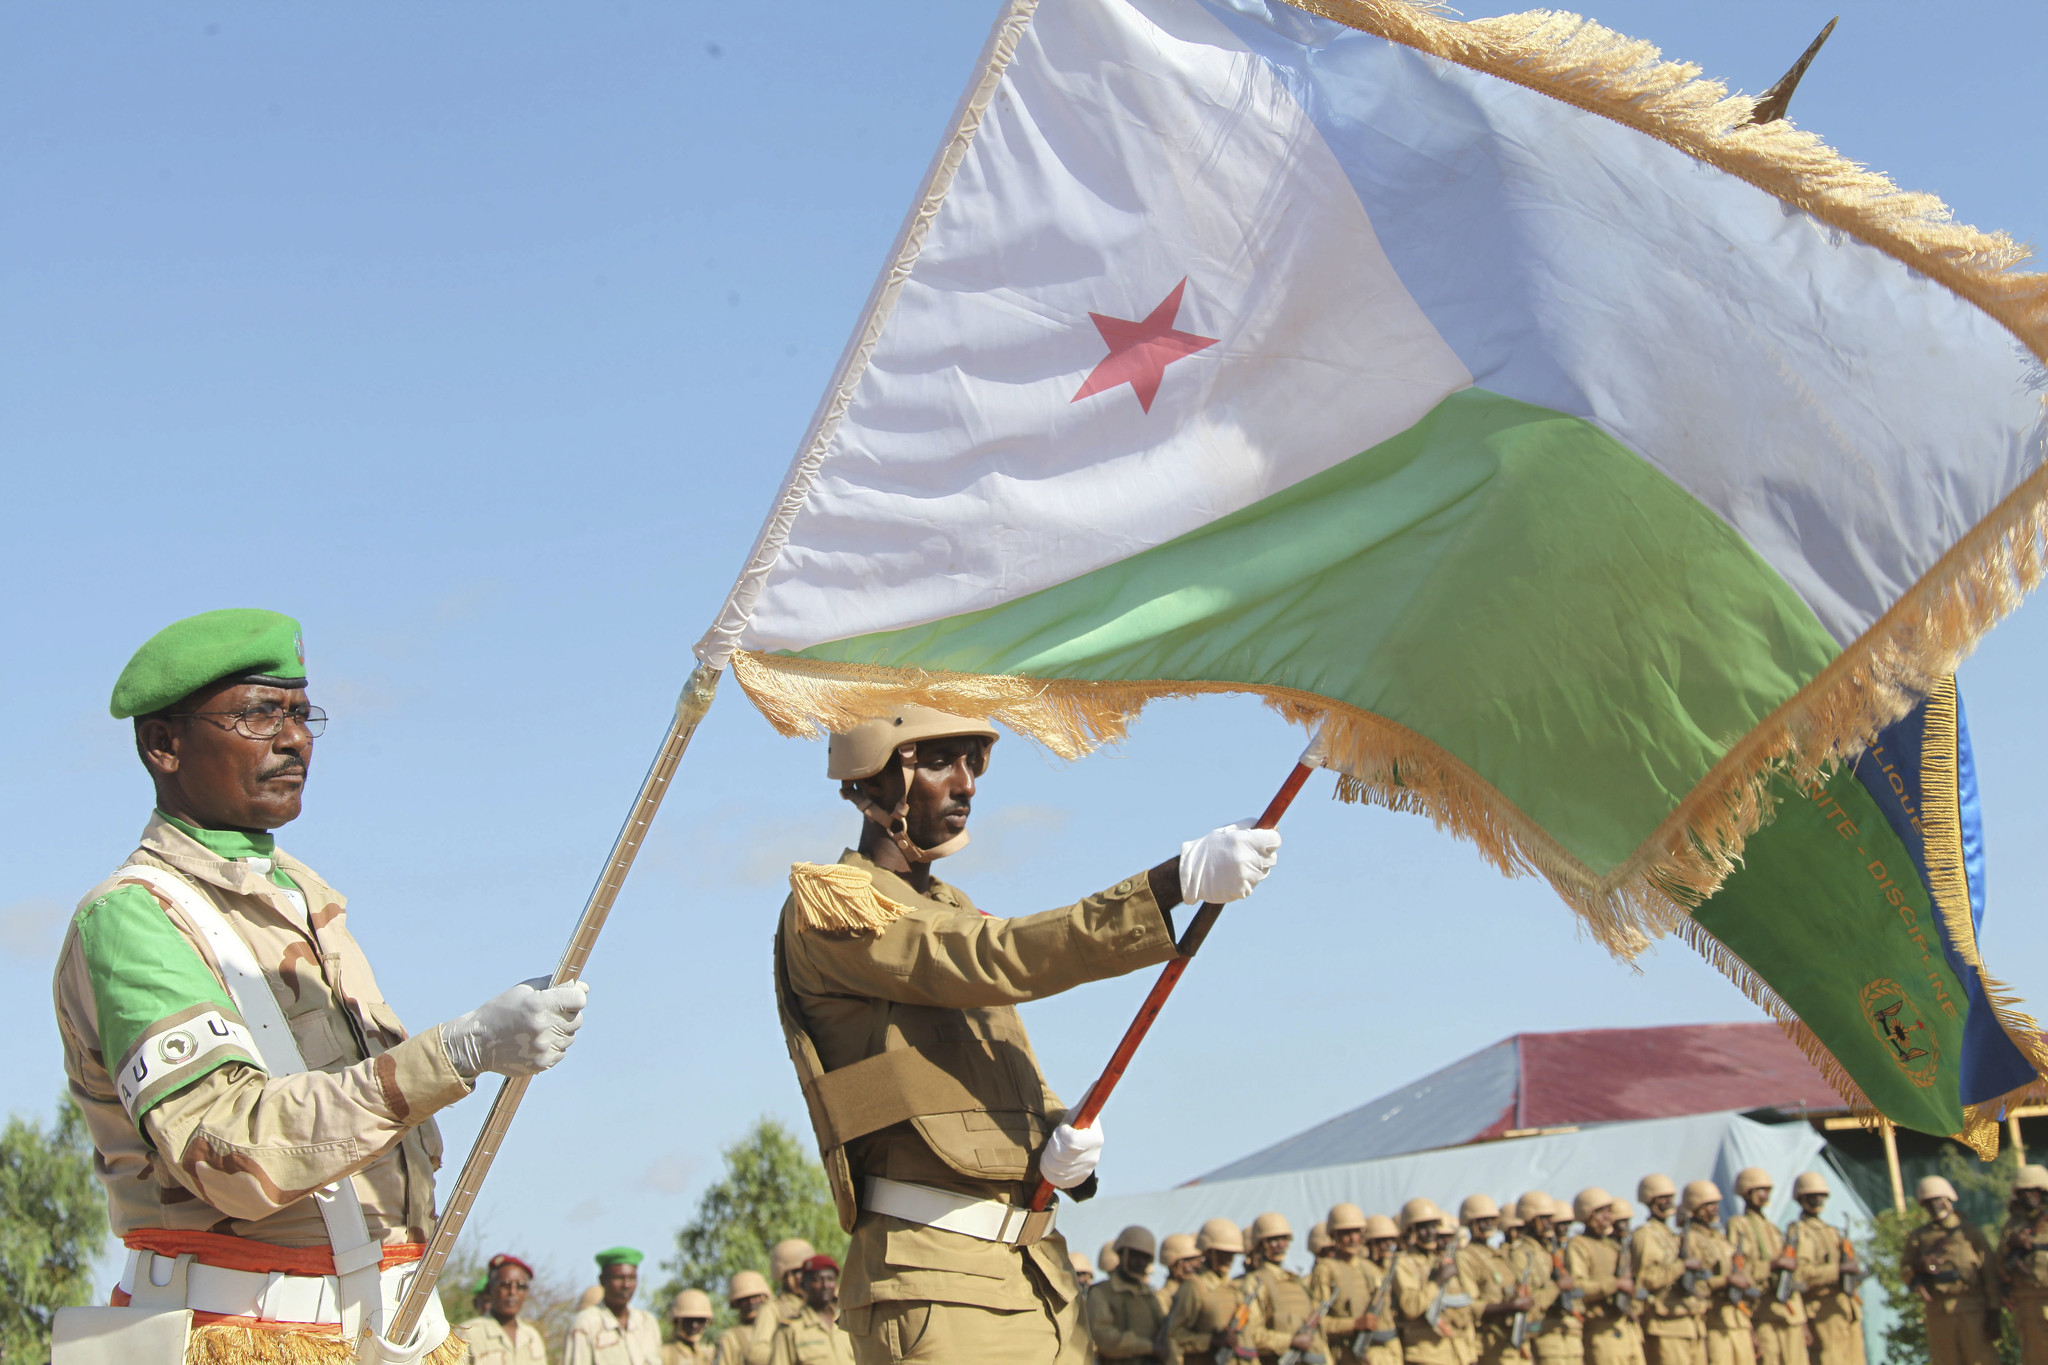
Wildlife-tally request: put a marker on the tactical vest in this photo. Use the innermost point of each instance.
(965, 1080)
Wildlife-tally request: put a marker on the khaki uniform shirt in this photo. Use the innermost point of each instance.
(1203, 1306)
(1595, 1266)
(806, 1340)
(1555, 1326)
(1717, 1254)
(1449, 1342)
(749, 1344)
(596, 1338)
(1669, 1311)
(490, 1344)
(678, 1353)
(1283, 1306)
(1124, 1318)
(209, 1142)
(1760, 1243)
(1352, 1279)
(1819, 1273)
(1967, 1278)
(2025, 1272)
(944, 979)
(1492, 1278)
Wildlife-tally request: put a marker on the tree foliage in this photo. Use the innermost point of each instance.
(53, 1223)
(771, 1189)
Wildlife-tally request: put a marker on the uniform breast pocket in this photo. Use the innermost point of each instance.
(319, 1037)
(385, 1020)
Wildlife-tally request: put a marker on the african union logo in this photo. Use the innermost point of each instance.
(177, 1047)
(1903, 1030)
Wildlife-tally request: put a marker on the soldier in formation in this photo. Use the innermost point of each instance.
(747, 1341)
(1827, 1273)
(1950, 1266)
(786, 1265)
(224, 1036)
(1598, 1268)
(1210, 1312)
(1777, 1321)
(614, 1332)
(815, 1335)
(2023, 1260)
(500, 1336)
(1126, 1319)
(1432, 1300)
(689, 1313)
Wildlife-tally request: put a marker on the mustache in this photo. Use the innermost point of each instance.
(282, 767)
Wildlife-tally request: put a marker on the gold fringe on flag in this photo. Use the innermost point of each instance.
(220, 1343)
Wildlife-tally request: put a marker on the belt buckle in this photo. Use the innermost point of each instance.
(1007, 1234)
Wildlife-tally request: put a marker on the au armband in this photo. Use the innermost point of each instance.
(175, 1052)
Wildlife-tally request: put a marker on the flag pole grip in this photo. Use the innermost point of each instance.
(1169, 977)
(690, 708)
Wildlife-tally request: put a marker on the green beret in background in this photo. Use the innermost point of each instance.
(236, 642)
(612, 1256)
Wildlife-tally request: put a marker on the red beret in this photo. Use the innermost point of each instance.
(499, 1261)
(822, 1262)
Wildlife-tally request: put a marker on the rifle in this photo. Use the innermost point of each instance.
(1444, 1297)
(1785, 1276)
(1229, 1354)
(1378, 1336)
(1852, 1268)
(1518, 1331)
(1738, 1264)
(1294, 1357)
(1625, 1269)
(1690, 1280)
(1571, 1300)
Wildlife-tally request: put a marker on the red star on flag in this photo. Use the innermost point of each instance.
(1139, 352)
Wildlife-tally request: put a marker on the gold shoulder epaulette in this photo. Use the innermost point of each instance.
(835, 896)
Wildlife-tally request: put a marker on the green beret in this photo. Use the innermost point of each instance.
(238, 642)
(612, 1256)
(483, 1282)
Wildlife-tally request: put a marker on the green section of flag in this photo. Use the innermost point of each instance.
(1505, 580)
(1829, 910)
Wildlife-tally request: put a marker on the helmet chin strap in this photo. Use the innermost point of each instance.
(895, 823)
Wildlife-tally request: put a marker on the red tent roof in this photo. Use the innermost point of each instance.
(1561, 1080)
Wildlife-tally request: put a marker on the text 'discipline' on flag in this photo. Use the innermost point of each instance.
(1854, 922)
(1582, 457)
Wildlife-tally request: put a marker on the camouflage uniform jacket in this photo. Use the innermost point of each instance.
(597, 1338)
(209, 1142)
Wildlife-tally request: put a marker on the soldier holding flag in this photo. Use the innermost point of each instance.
(225, 1038)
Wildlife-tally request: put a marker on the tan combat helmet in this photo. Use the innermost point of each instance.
(1380, 1228)
(1934, 1187)
(1509, 1218)
(1344, 1217)
(1654, 1186)
(789, 1254)
(1751, 1178)
(1177, 1248)
(1135, 1238)
(1476, 1207)
(1084, 1274)
(1813, 1182)
(1220, 1234)
(1590, 1201)
(745, 1285)
(1318, 1239)
(2031, 1178)
(1533, 1205)
(1698, 1192)
(1106, 1257)
(1623, 1211)
(691, 1303)
(867, 748)
(1418, 1211)
(591, 1298)
(1270, 1225)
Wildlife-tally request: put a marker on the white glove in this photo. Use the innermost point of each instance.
(519, 1033)
(1070, 1155)
(1225, 864)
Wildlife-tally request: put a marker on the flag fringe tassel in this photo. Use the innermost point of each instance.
(219, 1343)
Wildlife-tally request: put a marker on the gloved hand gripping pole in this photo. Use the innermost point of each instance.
(1169, 976)
(690, 709)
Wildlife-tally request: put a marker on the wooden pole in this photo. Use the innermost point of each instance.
(690, 709)
(2012, 1128)
(1891, 1162)
(1169, 976)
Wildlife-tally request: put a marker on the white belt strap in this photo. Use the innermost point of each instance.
(356, 1257)
(991, 1220)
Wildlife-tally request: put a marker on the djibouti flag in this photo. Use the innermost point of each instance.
(1579, 455)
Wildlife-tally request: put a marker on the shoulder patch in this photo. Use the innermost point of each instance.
(837, 897)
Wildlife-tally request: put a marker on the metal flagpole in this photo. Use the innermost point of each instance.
(690, 709)
(1170, 975)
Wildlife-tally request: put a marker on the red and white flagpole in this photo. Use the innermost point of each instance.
(1169, 977)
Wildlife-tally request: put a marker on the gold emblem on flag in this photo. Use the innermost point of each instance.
(1903, 1029)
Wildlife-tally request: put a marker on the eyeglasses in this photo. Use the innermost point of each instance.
(266, 719)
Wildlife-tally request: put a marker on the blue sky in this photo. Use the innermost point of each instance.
(479, 336)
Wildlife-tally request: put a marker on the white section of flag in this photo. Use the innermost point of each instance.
(1125, 148)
